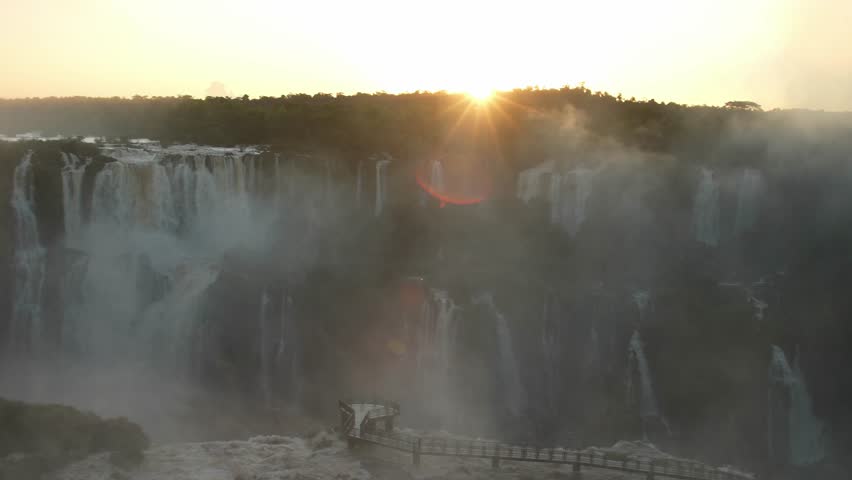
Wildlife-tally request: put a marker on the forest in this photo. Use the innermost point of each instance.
(399, 124)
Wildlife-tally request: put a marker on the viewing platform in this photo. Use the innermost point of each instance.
(373, 423)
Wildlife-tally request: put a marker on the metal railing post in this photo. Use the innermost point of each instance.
(418, 445)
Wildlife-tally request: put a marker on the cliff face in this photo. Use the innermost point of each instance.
(590, 297)
(10, 155)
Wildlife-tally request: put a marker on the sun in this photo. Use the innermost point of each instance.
(480, 94)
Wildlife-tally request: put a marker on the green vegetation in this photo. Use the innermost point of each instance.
(37, 438)
(367, 123)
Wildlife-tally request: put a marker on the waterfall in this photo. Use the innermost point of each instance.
(158, 228)
(436, 178)
(705, 215)
(642, 299)
(113, 195)
(262, 349)
(327, 186)
(26, 324)
(749, 190)
(278, 180)
(359, 183)
(593, 353)
(513, 392)
(569, 196)
(436, 181)
(552, 351)
(789, 397)
(162, 215)
(759, 307)
(73, 170)
(381, 185)
(435, 343)
(184, 187)
(287, 350)
(553, 196)
(171, 323)
(532, 182)
(640, 384)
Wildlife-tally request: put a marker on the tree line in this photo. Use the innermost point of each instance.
(522, 119)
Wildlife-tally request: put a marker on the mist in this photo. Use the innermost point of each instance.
(577, 271)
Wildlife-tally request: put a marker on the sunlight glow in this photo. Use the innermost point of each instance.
(480, 94)
(703, 51)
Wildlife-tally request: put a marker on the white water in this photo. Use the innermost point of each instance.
(157, 233)
(73, 170)
(381, 185)
(436, 178)
(287, 353)
(807, 437)
(705, 213)
(267, 457)
(638, 369)
(513, 391)
(172, 324)
(569, 196)
(593, 353)
(749, 191)
(325, 457)
(759, 307)
(436, 181)
(262, 350)
(26, 323)
(435, 343)
(532, 184)
(551, 350)
(642, 299)
(359, 183)
(567, 193)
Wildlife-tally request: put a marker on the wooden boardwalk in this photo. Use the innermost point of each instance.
(373, 422)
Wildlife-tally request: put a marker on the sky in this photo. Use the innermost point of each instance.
(779, 53)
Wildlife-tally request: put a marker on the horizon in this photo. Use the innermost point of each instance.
(484, 98)
(778, 54)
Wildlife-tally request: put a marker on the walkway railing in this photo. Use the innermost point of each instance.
(373, 423)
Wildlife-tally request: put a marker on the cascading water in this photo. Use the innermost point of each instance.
(592, 359)
(278, 180)
(642, 299)
(552, 351)
(359, 183)
(513, 391)
(789, 400)
(532, 183)
(569, 195)
(436, 177)
(435, 342)
(705, 214)
(640, 385)
(759, 307)
(749, 190)
(26, 323)
(287, 352)
(263, 349)
(159, 226)
(73, 170)
(381, 185)
(436, 181)
(172, 323)
(553, 196)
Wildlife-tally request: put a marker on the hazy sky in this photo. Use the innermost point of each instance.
(781, 53)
